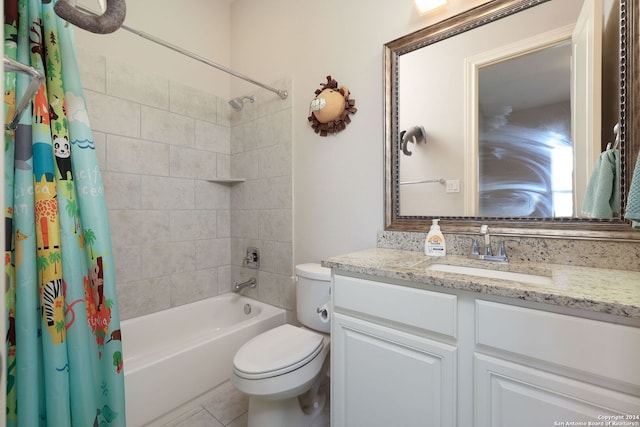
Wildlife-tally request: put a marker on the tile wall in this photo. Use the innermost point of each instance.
(262, 206)
(177, 237)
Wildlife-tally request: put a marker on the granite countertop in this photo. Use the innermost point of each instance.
(615, 292)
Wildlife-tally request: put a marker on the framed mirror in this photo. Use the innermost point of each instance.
(499, 116)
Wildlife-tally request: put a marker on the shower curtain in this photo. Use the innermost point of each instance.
(64, 354)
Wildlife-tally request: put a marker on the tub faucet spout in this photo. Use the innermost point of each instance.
(251, 283)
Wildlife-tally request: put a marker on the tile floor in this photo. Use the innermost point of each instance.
(223, 406)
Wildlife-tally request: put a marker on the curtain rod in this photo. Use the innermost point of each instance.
(281, 93)
(35, 80)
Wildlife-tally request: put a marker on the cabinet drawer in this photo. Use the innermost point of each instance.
(591, 346)
(409, 306)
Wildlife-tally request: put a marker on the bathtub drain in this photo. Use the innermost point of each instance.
(247, 309)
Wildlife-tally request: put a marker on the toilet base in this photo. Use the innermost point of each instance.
(287, 413)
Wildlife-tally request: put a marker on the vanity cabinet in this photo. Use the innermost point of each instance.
(536, 368)
(385, 370)
(514, 394)
(420, 357)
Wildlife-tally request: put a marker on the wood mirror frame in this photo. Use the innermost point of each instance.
(568, 228)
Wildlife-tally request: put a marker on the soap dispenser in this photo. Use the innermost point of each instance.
(435, 244)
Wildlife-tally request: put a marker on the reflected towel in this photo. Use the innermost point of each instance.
(633, 201)
(602, 198)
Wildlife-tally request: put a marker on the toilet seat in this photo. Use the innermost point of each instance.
(276, 352)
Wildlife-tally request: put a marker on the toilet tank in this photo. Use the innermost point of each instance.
(313, 285)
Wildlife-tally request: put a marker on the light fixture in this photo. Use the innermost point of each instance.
(425, 6)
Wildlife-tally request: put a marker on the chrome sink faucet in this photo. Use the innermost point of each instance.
(488, 252)
(484, 231)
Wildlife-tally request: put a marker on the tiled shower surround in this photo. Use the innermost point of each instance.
(177, 237)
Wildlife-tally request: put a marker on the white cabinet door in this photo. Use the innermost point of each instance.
(383, 377)
(510, 394)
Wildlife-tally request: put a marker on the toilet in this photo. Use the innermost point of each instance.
(282, 369)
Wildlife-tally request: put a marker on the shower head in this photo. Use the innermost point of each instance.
(238, 103)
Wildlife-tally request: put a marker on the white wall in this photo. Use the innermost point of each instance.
(200, 26)
(338, 180)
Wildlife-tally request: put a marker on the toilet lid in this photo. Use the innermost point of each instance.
(276, 352)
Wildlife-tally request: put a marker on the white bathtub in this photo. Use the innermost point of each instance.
(175, 355)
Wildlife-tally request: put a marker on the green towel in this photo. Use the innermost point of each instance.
(633, 201)
(602, 198)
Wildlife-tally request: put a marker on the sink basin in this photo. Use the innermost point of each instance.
(492, 274)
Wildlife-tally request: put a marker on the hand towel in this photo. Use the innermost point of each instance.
(633, 201)
(602, 198)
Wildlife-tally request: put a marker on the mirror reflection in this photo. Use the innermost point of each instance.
(510, 118)
(525, 146)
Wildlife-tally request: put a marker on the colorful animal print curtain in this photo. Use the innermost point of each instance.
(64, 353)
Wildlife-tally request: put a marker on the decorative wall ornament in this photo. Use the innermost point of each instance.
(330, 109)
(415, 134)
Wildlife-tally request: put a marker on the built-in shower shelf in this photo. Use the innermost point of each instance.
(227, 181)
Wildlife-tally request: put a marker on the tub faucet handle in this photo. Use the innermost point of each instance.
(252, 258)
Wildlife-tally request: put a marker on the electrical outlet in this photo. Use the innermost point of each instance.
(453, 186)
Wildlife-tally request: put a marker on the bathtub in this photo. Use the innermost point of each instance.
(175, 355)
